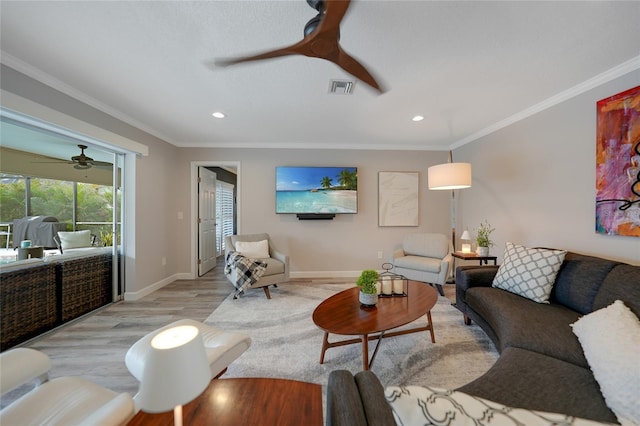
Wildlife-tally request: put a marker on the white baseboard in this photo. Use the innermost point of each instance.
(324, 274)
(137, 295)
(130, 296)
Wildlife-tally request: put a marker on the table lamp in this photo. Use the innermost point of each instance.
(466, 247)
(175, 372)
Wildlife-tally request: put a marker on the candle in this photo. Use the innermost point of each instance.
(397, 287)
(386, 285)
(466, 248)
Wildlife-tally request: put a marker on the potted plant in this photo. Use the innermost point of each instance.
(483, 238)
(368, 290)
(107, 238)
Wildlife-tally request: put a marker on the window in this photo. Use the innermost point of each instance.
(81, 205)
(224, 214)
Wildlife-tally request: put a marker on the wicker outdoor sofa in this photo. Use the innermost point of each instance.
(38, 295)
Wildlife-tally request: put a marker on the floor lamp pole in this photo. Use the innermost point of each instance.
(450, 176)
(451, 279)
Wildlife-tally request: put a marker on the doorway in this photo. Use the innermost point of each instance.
(227, 211)
(206, 220)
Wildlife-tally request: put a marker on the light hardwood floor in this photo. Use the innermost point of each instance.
(94, 346)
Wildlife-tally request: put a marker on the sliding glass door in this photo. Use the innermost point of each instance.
(49, 171)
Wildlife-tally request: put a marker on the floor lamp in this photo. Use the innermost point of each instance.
(450, 176)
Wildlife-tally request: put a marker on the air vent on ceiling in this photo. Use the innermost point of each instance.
(341, 87)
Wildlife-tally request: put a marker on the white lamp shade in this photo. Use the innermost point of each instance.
(465, 235)
(176, 370)
(449, 176)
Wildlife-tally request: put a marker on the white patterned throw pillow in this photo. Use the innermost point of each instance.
(416, 405)
(610, 339)
(529, 272)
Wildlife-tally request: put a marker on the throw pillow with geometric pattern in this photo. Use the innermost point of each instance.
(529, 272)
(417, 405)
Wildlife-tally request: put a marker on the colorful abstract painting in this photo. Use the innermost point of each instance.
(618, 164)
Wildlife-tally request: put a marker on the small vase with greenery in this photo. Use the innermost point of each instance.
(483, 238)
(368, 290)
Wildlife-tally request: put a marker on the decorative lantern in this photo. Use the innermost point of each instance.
(392, 285)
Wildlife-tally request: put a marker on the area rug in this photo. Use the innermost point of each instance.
(285, 343)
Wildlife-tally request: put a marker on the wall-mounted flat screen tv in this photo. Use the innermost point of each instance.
(316, 190)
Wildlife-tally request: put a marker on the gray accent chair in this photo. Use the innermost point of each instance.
(277, 262)
(424, 257)
(357, 400)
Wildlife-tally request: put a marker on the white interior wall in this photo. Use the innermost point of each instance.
(339, 247)
(534, 181)
(149, 222)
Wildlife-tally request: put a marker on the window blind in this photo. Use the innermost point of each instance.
(224, 214)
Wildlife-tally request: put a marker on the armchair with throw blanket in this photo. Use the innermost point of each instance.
(251, 261)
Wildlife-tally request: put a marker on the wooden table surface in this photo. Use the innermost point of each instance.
(343, 314)
(248, 401)
(475, 256)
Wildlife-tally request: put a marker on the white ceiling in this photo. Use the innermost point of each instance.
(465, 66)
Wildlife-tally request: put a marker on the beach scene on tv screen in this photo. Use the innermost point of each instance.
(316, 190)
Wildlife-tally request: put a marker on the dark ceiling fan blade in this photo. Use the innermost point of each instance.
(328, 29)
(322, 35)
(100, 163)
(82, 161)
(356, 69)
(54, 162)
(277, 53)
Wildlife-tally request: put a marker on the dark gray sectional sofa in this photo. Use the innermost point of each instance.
(542, 365)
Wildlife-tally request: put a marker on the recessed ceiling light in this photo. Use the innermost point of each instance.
(218, 114)
(417, 118)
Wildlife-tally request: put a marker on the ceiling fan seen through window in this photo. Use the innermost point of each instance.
(82, 161)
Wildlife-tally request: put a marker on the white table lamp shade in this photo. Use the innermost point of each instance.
(176, 370)
(449, 176)
(466, 247)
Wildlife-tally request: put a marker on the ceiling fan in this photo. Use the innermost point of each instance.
(321, 40)
(82, 161)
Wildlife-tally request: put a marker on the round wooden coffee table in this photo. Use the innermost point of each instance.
(343, 314)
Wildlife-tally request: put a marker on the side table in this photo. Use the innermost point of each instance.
(247, 401)
(473, 256)
(30, 252)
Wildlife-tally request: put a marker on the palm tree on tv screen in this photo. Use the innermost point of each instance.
(326, 182)
(348, 179)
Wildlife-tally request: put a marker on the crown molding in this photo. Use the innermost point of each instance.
(626, 67)
(26, 111)
(600, 79)
(44, 78)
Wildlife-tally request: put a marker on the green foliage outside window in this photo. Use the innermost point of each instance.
(55, 198)
(51, 198)
(12, 202)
